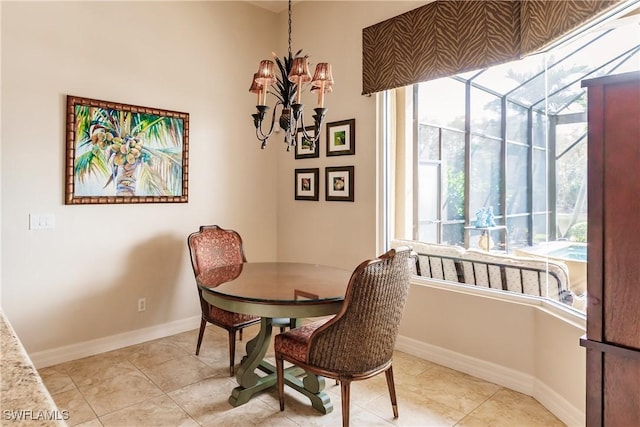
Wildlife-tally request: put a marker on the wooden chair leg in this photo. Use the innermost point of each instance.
(392, 391)
(232, 350)
(240, 338)
(203, 324)
(280, 380)
(345, 391)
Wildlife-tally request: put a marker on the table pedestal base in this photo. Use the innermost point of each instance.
(251, 383)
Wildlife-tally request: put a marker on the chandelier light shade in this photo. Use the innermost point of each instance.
(256, 88)
(286, 86)
(322, 81)
(265, 75)
(300, 70)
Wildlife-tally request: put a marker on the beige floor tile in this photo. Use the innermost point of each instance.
(159, 411)
(74, 402)
(362, 392)
(179, 372)
(163, 378)
(153, 353)
(216, 355)
(91, 370)
(256, 414)
(408, 366)
(207, 400)
(91, 423)
(298, 408)
(186, 340)
(509, 408)
(415, 410)
(214, 350)
(455, 389)
(119, 392)
(56, 380)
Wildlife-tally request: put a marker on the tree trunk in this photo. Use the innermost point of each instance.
(126, 180)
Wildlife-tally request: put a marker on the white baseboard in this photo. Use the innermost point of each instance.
(557, 405)
(497, 374)
(42, 359)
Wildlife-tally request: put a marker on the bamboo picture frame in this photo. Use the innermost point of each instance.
(121, 153)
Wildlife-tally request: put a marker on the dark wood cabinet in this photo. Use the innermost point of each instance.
(613, 270)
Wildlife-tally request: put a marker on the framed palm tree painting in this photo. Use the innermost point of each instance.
(119, 153)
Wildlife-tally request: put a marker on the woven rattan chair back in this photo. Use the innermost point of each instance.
(362, 336)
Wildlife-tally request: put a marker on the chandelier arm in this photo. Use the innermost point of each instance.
(262, 140)
(263, 137)
(318, 121)
(312, 138)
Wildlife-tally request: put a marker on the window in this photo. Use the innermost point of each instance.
(512, 139)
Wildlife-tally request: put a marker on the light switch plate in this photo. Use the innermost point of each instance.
(42, 221)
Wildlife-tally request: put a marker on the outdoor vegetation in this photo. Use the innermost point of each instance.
(514, 138)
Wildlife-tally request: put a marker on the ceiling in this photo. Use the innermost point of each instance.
(273, 6)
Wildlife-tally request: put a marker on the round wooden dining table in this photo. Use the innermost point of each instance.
(275, 290)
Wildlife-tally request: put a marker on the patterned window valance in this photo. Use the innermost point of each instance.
(447, 37)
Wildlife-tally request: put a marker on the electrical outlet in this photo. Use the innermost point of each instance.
(142, 304)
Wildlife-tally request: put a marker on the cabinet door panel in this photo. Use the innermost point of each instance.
(621, 215)
(621, 398)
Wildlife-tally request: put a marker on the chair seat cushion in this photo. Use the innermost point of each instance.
(229, 318)
(295, 342)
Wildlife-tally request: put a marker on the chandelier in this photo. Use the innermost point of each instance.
(286, 87)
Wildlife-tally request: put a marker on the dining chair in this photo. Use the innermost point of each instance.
(211, 247)
(358, 342)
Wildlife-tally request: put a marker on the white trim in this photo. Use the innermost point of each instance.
(42, 359)
(505, 377)
(488, 371)
(382, 192)
(557, 405)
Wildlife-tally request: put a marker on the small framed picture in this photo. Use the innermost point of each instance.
(339, 183)
(307, 184)
(305, 149)
(341, 138)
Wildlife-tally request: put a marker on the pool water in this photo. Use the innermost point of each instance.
(574, 252)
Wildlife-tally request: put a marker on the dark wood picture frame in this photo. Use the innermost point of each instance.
(303, 148)
(307, 185)
(341, 138)
(339, 183)
(120, 153)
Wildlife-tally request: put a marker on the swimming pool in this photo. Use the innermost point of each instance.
(573, 252)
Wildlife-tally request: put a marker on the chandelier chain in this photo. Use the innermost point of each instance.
(289, 28)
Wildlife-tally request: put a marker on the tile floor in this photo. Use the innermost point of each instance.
(163, 383)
